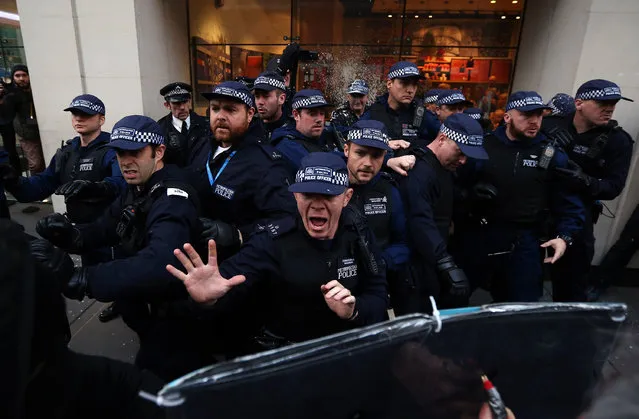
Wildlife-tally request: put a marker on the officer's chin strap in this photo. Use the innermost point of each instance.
(436, 315)
(159, 400)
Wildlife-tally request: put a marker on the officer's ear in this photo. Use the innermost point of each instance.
(347, 149)
(389, 83)
(101, 119)
(579, 104)
(348, 194)
(167, 105)
(281, 97)
(296, 115)
(507, 117)
(159, 152)
(249, 113)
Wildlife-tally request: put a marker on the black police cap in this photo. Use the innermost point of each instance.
(177, 92)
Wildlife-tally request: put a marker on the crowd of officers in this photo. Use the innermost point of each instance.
(261, 227)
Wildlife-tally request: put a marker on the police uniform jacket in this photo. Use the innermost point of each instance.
(94, 163)
(171, 221)
(400, 123)
(524, 190)
(380, 202)
(270, 127)
(245, 185)
(427, 192)
(286, 267)
(609, 165)
(294, 145)
(184, 150)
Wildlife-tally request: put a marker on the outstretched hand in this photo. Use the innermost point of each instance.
(204, 283)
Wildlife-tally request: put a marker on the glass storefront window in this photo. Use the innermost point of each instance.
(466, 45)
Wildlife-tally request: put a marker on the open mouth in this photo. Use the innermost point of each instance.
(317, 223)
(130, 173)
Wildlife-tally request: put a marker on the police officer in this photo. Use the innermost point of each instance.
(157, 212)
(430, 97)
(475, 113)
(243, 183)
(377, 198)
(600, 152)
(308, 134)
(521, 184)
(450, 102)
(354, 107)
(427, 192)
(316, 272)
(561, 104)
(84, 170)
(186, 132)
(270, 94)
(404, 117)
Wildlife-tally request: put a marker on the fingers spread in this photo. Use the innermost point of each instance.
(176, 272)
(236, 280)
(195, 258)
(185, 261)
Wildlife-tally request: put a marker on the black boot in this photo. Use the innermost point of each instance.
(109, 313)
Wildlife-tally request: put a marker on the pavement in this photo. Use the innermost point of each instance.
(115, 340)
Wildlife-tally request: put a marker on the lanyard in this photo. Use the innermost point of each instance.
(219, 172)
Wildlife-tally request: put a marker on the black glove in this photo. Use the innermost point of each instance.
(453, 276)
(9, 176)
(483, 191)
(85, 189)
(224, 234)
(53, 260)
(60, 231)
(560, 137)
(76, 287)
(575, 178)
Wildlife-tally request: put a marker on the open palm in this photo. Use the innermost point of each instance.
(204, 283)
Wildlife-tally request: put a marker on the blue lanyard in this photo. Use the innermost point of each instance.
(219, 172)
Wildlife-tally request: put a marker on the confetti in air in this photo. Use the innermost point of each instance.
(347, 64)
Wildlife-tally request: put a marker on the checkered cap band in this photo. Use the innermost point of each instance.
(554, 109)
(322, 174)
(271, 82)
(527, 101)
(305, 102)
(600, 93)
(430, 99)
(133, 135)
(403, 72)
(178, 90)
(475, 116)
(81, 103)
(226, 91)
(461, 138)
(367, 134)
(453, 97)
